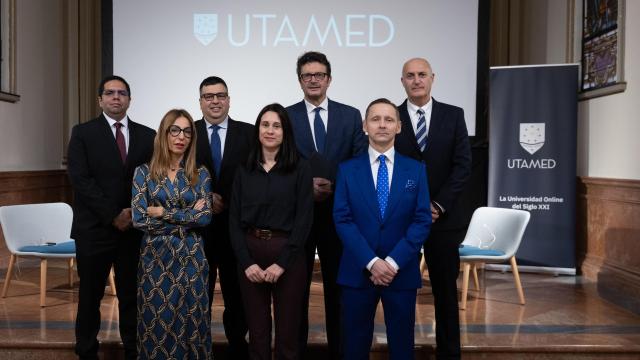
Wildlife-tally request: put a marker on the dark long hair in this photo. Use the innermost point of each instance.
(287, 156)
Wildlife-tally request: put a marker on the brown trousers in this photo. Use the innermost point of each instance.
(287, 294)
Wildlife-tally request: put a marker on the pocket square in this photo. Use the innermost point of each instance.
(411, 185)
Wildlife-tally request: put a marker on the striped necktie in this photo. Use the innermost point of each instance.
(421, 131)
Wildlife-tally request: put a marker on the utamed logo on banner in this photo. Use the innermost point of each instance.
(532, 138)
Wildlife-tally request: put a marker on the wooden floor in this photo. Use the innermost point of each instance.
(564, 318)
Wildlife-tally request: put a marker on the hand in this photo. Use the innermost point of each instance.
(382, 273)
(217, 205)
(123, 221)
(254, 273)
(155, 211)
(199, 205)
(435, 213)
(321, 188)
(273, 273)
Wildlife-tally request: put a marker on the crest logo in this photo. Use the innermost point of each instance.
(205, 27)
(531, 136)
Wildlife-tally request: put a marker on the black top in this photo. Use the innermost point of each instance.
(274, 200)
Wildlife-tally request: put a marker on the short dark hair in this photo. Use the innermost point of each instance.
(110, 78)
(287, 157)
(382, 101)
(310, 57)
(212, 80)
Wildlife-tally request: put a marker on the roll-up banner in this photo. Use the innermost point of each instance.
(532, 158)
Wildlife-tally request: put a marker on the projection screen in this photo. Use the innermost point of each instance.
(165, 48)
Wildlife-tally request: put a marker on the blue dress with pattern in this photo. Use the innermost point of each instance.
(173, 303)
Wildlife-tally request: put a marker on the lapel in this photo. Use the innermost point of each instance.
(333, 128)
(407, 127)
(303, 136)
(229, 145)
(365, 181)
(398, 181)
(435, 124)
(203, 143)
(107, 135)
(133, 143)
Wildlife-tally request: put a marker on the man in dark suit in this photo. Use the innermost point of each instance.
(436, 134)
(327, 133)
(223, 144)
(382, 215)
(103, 154)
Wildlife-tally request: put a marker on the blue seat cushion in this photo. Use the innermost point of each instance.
(467, 250)
(67, 247)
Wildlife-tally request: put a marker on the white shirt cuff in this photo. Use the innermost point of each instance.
(392, 262)
(370, 264)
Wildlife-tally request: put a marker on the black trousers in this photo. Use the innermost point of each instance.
(222, 260)
(443, 262)
(95, 255)
(323, 236)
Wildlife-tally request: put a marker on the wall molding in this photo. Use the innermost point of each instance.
(609, 237)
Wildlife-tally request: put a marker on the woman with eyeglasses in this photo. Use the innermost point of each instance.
(171, 197)
(270, 217)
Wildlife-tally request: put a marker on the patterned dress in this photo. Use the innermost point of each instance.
(173, 314)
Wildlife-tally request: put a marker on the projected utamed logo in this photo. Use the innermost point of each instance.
(351, 30)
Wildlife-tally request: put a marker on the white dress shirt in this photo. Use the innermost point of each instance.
(311, 114)
(375, 165)
(413, 114)
(222, 132)
(124, 128)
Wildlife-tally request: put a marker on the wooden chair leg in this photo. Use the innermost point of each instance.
(516, 276)
(423, 265)
(43, 281)
(112, 282)
(70, 272)
(476, 283)
(7, 280)
(465, 285)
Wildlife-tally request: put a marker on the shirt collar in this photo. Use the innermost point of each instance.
(124, 121)
(310, 107)
(373, 154)
(223, 125)
(413, 108)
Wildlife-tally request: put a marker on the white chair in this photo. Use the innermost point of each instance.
(41, 231)
(493, 236)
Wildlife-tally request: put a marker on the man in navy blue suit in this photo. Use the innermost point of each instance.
(326, 133)
(435, 133)
(382, 216)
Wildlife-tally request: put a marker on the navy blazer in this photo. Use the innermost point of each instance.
(345, 137)
(365, 234)
(447, 157)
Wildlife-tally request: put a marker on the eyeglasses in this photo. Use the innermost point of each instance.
(318, 76)
(175, 131)
(222, 96)
(114, 92)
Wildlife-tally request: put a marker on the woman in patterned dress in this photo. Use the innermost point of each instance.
(171, 197)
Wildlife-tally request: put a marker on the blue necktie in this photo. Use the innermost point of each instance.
(382, 188)
(319, 130)
(216, 149)
(421, 131)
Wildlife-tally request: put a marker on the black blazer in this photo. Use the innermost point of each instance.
(101, 183)
(447, 157)
(237, 146)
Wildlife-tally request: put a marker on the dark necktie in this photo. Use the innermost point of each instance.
(421, 131)
(120, 141)
(216, 149)
(382, 188)
(319, 130)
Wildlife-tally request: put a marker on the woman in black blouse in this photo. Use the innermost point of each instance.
(270, 217)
